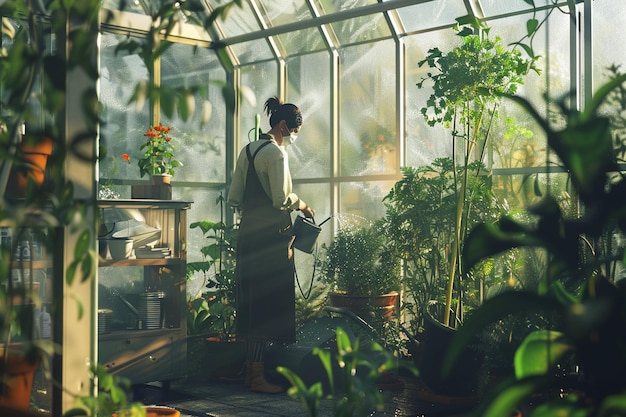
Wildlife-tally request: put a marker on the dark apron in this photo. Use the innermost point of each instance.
(266, 305)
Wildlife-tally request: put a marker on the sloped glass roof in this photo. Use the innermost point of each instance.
(267, 29)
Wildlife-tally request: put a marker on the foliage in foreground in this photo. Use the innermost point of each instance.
(351, 375)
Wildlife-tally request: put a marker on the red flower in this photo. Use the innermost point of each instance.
(158, 151)
(126, 157)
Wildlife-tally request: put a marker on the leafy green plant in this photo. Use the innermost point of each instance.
(352, 375)
(112, 398)
(158, 151)
(214, 310)
(419, 221)
(467, 82)
(359, 262)
(588, 308)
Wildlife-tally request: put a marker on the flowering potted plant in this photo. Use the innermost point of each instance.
(158, 152)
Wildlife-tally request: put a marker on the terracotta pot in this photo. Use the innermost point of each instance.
(37, 156)
(18, 374)
(158, 411)
(367, 305)
(160, 179)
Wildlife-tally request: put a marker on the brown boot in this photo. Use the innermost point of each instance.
(259, 384)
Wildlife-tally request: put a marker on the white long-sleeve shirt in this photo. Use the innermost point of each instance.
(272, 167)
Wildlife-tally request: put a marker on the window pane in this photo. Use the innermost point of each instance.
(496, 7)
(368, 137)
(201, 149)
(607, 16)
(360, 29)
(283, 13)
(263, 80)
(431, 14)
(123, 125)
(361, 201)
(309, 89)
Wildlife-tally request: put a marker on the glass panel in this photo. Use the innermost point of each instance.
(309, 89)
(253, 51)
(186, 66)
(123, 125)
(302, 41)
(240, 20)
(496, 7)
(334, 6)
(423, 143)
(263, 80)
(368, 137)
(360, 29)
(431, 14)
(523, 143)
(205, 207)
(130, 5)
(282, 13)
(608, 17)
(361, 201)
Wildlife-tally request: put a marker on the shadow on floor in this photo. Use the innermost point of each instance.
(227, 398)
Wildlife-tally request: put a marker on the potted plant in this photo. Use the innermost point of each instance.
(467, 82)
(362, 270)
(158, 158)
(212, 313)
(420, 213)
(577, 291)
(431, 209)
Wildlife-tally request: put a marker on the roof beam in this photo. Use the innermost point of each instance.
(319, 21)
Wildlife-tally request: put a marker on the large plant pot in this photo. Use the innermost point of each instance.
(226, 358)
(463, 380)
(17, 373)
(36, 156)
(366, 306)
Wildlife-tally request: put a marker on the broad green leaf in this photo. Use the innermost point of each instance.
(539, 352)
(531, 26)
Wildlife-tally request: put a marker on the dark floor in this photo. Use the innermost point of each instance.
(203, 395)
(220, 398)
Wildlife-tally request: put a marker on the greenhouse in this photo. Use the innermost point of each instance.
(458, 169)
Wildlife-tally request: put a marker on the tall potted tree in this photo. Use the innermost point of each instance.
(466, 83)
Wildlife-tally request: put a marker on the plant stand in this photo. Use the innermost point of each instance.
(151, 191)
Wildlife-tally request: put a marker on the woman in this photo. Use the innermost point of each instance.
(261, 190)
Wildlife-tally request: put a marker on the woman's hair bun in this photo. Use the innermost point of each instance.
(277, 110)
(272, 104)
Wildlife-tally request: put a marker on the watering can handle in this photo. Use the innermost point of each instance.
(325, 221)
